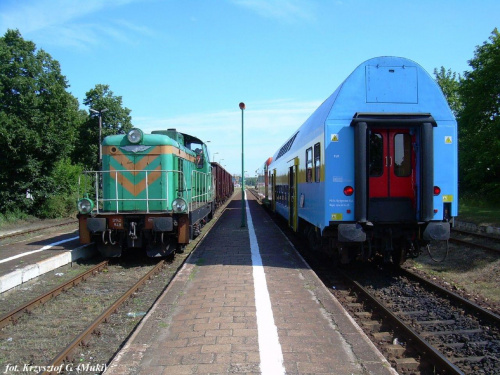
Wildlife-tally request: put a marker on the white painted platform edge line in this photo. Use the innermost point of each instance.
(46, 247)
(271, 355)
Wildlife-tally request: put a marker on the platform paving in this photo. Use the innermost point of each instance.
(206, 322)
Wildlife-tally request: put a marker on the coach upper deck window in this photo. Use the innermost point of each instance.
(309, 164)
(317, 162)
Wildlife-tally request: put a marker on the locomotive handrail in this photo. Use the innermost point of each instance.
(96, 177)
(199, 182)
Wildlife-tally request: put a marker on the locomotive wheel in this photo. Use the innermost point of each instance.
(179, 249)
(314, 239)
(160, 246)
(398, 256)
(108, 250)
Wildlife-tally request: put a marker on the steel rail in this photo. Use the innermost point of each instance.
(34, 230)
(487, 314)
(475, 234)
(438, 359)
(480, 246)
(84, 336)
(12, 316)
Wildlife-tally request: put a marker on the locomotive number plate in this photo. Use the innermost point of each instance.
(115, 222)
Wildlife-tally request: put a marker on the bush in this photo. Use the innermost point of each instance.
(13, 217)
(476, 209)
(62, 202)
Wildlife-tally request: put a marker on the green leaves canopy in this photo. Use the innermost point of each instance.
(479, 121)
(114, 121)
(38, 122)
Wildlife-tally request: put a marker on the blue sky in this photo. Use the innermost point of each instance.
(186, 64)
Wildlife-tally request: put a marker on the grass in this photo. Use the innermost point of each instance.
(475, 272)
(479, 212)
(14, 218)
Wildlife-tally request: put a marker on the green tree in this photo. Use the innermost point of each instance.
(450, 85)
(115, 120)
(38, 122)
(479, 122)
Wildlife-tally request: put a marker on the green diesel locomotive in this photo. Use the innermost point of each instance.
(154, 192)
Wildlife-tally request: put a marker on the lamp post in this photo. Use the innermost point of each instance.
(213, 157)
(243, 210)
(99, 112)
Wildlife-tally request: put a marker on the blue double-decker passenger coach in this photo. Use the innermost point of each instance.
(374, 168)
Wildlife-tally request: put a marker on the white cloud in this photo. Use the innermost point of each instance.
(39, 15)
(57, 22)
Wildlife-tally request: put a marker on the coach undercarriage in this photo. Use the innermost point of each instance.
(393, 243)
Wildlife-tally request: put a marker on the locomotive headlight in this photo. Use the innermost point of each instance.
(135, 135)
(85, 205)
(179, 205)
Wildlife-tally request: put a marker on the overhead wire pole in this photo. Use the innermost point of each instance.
(243, 208)
(99, 112)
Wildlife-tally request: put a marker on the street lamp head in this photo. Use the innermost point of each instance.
(99, 111)
(242, 106)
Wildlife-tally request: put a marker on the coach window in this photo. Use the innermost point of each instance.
(309, 164)
(317, 162)
(376, 161)
(402, 155)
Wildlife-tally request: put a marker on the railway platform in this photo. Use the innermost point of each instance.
(26, 259)
(246, 302)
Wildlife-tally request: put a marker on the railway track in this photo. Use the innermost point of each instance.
(477, 240)
(421, 327)
(66, 355)
(32, 230)
(13, 316)
(35, 339)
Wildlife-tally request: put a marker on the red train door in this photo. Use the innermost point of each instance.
(392, 174)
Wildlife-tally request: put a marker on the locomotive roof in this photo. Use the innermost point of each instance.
(150, 139)
(379, 85)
